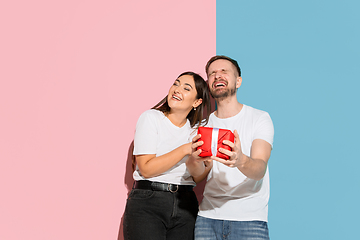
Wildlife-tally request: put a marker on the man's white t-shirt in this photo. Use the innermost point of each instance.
(156, 134)
(229, 194)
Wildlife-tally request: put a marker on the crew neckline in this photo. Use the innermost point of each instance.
(236, 115)
(173, 125)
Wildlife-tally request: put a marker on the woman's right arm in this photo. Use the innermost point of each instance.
(151, 166)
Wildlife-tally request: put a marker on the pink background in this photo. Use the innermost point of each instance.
(74, 78)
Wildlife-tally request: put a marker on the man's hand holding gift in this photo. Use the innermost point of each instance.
(236, 156)
(220, 145)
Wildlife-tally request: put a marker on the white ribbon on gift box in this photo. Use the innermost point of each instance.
(214, 141)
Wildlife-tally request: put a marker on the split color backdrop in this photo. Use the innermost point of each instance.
(76, 75)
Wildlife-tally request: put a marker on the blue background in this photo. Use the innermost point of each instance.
(300, 62)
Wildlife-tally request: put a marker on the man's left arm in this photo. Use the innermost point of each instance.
(253, 167)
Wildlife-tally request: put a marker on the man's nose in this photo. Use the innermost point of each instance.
(218, 75)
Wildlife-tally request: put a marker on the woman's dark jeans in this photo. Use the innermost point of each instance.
(158, 215)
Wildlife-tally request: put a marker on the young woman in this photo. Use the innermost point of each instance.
(162, 204)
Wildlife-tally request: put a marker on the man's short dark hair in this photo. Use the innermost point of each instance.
(217, 57)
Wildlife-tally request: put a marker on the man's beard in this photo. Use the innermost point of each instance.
(222, 94)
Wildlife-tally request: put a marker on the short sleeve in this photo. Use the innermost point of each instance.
(146, 133)
(264, 129)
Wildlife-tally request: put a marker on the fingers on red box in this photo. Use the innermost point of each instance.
(213, 140)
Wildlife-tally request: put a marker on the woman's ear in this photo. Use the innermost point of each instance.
(197, 102)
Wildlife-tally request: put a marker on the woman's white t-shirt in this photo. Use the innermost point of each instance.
(156, 134)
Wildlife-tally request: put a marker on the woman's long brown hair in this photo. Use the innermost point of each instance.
(197, 117)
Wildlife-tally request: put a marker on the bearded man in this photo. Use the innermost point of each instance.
(236, 194)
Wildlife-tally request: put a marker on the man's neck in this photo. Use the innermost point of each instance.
(228, 107)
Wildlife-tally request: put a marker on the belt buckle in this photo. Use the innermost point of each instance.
(177, 188)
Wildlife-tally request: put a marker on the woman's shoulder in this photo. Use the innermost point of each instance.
(152, 113)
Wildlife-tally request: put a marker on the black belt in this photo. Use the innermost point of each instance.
(158, 186)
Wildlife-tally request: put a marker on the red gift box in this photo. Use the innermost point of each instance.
(213, 140)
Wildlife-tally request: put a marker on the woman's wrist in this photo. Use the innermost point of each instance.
(187, 148)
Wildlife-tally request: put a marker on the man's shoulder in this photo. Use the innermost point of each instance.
(212, 114)
(254, 111)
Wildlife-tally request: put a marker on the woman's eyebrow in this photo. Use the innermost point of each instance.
(188, 85)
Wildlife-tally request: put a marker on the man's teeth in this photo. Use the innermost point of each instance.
(220, 85)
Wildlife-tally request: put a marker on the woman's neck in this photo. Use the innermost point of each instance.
(177, 118)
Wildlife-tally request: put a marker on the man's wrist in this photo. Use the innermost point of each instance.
(243, 160)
